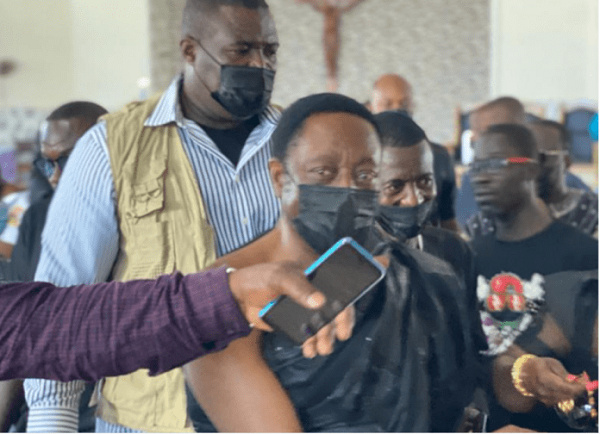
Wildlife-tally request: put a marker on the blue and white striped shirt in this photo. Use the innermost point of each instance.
(80, 241)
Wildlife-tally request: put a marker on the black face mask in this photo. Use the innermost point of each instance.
(404, 222)
(327, 214)
(244, 91)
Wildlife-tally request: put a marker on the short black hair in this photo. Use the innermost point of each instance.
(398, 130)
(564, 136)
(87, 110)
(519, 138)
(294, 117)
(194, 7)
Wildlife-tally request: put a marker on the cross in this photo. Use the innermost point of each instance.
(332, 11)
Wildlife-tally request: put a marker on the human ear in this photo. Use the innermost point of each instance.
(278, 175)
(188, 50)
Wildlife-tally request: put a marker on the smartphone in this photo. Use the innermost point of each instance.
(344, 273)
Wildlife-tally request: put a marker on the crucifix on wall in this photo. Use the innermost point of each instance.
(332, 11)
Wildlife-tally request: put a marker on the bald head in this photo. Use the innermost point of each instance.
(196, 13)
(503, 110)
(391, 92)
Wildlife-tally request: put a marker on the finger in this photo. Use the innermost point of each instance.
(556, 367)
(252, 314)
(292, 282)
(555, 389)
(344, 323)
(309, 349)
(325, 340)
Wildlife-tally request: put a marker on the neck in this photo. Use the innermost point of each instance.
(291, 246)
(198, 113)
(530, 219)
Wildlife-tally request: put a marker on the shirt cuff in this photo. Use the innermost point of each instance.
(224, 322)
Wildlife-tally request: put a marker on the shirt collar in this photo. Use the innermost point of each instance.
(168, 109)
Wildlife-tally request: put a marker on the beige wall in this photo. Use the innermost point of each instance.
(441, 46)
(111, 49)
(73, 49)
(545, 49)
(38, 36)
(98, 49)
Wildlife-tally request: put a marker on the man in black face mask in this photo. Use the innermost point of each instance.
(394, 92)
(407, 193)
(409, 363)
(166, 184)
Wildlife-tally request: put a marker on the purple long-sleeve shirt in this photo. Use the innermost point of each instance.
(89, 332)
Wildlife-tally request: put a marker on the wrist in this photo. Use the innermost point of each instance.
(517, 371)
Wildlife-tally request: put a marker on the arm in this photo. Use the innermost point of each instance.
(109, 329)
(543, 377)
(56, 332)
(11, 399)
(350, 4)
(79, 245)
(9, 235)
(238, 378)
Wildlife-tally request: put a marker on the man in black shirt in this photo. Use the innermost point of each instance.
(527, 240)
(527, 245)
(409, 365)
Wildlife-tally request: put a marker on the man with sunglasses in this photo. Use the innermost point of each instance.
(63, 127)
(511, 262)
(573, 206)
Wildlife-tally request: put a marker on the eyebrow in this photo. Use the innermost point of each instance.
(366, 160)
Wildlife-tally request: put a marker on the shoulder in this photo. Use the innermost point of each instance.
(453, 241)
(272, 113)
(574, 241)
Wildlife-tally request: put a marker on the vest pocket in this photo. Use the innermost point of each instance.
(147, 197)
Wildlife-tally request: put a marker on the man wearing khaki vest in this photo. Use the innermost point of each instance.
(162, 185)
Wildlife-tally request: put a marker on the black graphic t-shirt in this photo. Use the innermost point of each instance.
(557, 248)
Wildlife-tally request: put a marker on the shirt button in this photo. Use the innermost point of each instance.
(237, 178)
(245, 220)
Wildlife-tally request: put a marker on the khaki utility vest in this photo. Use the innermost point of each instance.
(164, 227)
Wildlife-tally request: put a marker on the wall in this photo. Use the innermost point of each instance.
(545, 50)
(111, 51)
(38, 36)
(440, 47)
(98, 49)
(73, 49)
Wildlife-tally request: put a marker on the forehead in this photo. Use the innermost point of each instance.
(62, 134)
(408, 161)
(390, 89)
(481, 120)
(57, 130)
(493, 145)
(326, 133)
(238, 24)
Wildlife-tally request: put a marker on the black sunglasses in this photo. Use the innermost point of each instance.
(494, 164)
(48, 167)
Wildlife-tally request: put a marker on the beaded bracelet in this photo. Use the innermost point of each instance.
(515, 372)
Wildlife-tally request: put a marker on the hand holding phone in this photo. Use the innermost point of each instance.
(344, 273)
